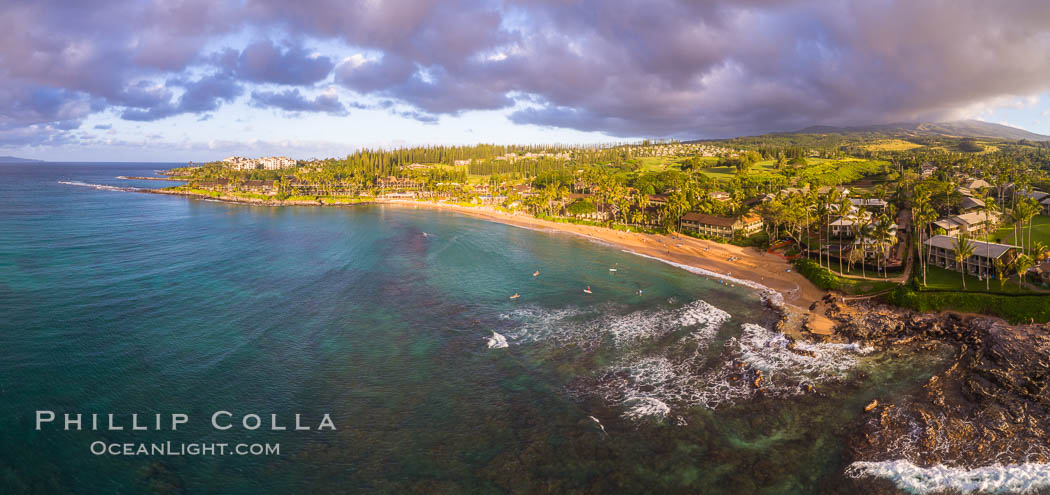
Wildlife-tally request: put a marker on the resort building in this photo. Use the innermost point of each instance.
(1046, 206)
(724, 227)
(266, 163)
(972, 223)
(261, 186)
(399, 183)
(399, 195)
(872, 204)
(980, 264)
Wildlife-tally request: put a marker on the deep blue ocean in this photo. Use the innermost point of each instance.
(392, 320)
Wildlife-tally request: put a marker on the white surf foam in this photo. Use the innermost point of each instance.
(646, 407)
(100, 187)
(771, 296)
(681, 381)
(600, 425)
(996, 478)
(563, 327)
(785, 371)
(768, 351)
(497, 341)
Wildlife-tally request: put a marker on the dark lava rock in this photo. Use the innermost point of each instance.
(991, 405)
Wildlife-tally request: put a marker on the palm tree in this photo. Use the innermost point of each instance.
(844, 206)
(863, 233)
(882, 235)
(1021, 265)
(822, 213)
(963, 250)
(927, 215)
(676, 207)
(808, 201)
(1039, 251)
(641, 202)
(990, 206)
(1000, 270)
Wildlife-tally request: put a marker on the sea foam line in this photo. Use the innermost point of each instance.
(774, 298)
(996, 478)
(621, 330)
(100, 187)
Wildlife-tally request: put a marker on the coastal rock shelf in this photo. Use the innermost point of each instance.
(992, 403)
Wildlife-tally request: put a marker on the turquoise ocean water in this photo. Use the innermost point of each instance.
(381, 316)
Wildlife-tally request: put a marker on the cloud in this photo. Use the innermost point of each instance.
(202, 95)
(676, 68)
(265, 62)
(292, 100)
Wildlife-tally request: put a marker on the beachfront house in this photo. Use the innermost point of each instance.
(658, 199)
(847, 225)
(872, 204)
(981, 264)
(720, 196)
(926, 170)
(260, 186)
(825, 190)
(399, 196)
(975, 184)
(723, 227)
(399, 184)
(1038, 196)
(969, 203)
(973, 223)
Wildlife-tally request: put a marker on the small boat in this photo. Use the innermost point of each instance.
(515, 296)
(536, 273)
(612, 269)
(587, 290)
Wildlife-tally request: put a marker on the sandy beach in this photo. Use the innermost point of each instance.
(725, 260)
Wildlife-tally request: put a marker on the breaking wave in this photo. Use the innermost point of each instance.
(685, 381)
(100, 187)
(577, 327)
(497, 341)
(771, 296)
(682, 370)
(641, 407)
(997, 478)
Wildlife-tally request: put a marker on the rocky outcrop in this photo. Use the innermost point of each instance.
(992, 405)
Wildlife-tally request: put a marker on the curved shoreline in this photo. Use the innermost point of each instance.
(766, 273)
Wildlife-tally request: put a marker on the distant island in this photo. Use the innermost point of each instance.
(15, 159)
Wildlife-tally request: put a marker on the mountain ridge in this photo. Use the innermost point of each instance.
(15, 159)
(958, 128)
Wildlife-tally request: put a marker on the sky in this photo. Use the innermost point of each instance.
(198, 80)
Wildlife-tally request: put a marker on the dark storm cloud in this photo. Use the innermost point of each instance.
(656, 68)
(292, 100)
(723, 68)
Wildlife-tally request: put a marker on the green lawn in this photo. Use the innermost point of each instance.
(1040, 232)
(941, 279)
